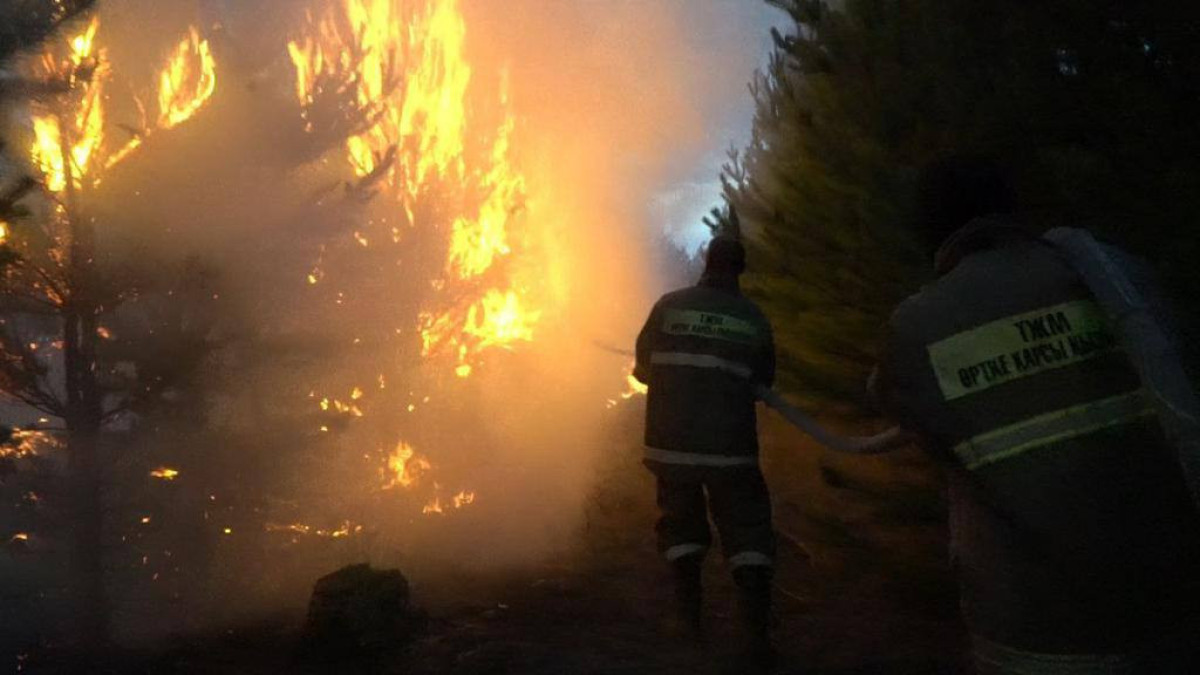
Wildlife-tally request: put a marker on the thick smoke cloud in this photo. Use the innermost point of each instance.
(617, 104)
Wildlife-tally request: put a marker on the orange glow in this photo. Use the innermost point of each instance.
(341, 407)
(29, 443)
(74, 138)
(165, 473)
(404, 467)
(185, 85)
(458, 501)
(434, 506)
(633, 387)
(346, 529)
(359, 44)
(188, 81)
(406, 74)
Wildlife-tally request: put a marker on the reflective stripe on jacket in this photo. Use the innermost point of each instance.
(1072, 527)
(702, 351)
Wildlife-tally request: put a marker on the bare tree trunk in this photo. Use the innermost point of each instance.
(83, 422)
(90, 609)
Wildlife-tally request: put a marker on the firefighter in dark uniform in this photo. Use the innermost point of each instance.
(703, 352)
(1074, 537)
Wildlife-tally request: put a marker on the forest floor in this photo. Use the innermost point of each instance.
(862, 587)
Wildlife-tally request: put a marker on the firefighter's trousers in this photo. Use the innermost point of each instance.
(741, 509)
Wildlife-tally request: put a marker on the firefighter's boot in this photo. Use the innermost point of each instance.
(754, 608)
(687, 622)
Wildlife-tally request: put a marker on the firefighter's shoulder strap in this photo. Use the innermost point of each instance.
(1145, 339)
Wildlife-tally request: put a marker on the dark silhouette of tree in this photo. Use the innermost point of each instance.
(1091, 107)
(62, 358)
(25, 23)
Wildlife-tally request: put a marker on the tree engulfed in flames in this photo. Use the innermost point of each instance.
(398, 81)
(390, 81)
(68, 142)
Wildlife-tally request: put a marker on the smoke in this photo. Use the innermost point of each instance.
(616, 103)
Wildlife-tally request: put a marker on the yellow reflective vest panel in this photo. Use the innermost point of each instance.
(1072, 528)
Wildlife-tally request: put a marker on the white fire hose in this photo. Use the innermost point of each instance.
(859, 445)
(1150, 346)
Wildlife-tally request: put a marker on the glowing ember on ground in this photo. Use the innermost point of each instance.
(165, 473)
(434, 506)
(404, 467)
(29, 443)
(458, 501)
(345, 529)
(341, 407)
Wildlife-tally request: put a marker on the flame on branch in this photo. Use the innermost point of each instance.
(395, 82)
(72, 137)
(187, 82)
(69, 137)
(359, 54)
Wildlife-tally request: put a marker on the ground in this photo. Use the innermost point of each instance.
(862, 587)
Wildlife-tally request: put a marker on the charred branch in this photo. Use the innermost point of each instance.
(26, 23)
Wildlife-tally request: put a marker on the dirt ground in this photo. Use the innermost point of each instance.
(862, 587)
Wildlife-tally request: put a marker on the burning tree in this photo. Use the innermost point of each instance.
(438, 214)
(59, 299)
(403, 265)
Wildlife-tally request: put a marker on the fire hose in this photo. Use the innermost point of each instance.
(1137, 316)
(859, 445)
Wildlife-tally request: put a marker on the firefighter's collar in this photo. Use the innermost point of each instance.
(724, 282)
(981, 234)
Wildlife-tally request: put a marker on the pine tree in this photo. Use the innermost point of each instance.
(82, 348)
(25, 23)
(1089, 106)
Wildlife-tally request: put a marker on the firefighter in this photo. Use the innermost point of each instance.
(1073, 534)
(703, 352)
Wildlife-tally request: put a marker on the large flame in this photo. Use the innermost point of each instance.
(187, 82)
(397, 82)
(361, 50)
(65, 144)
(69, 139)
